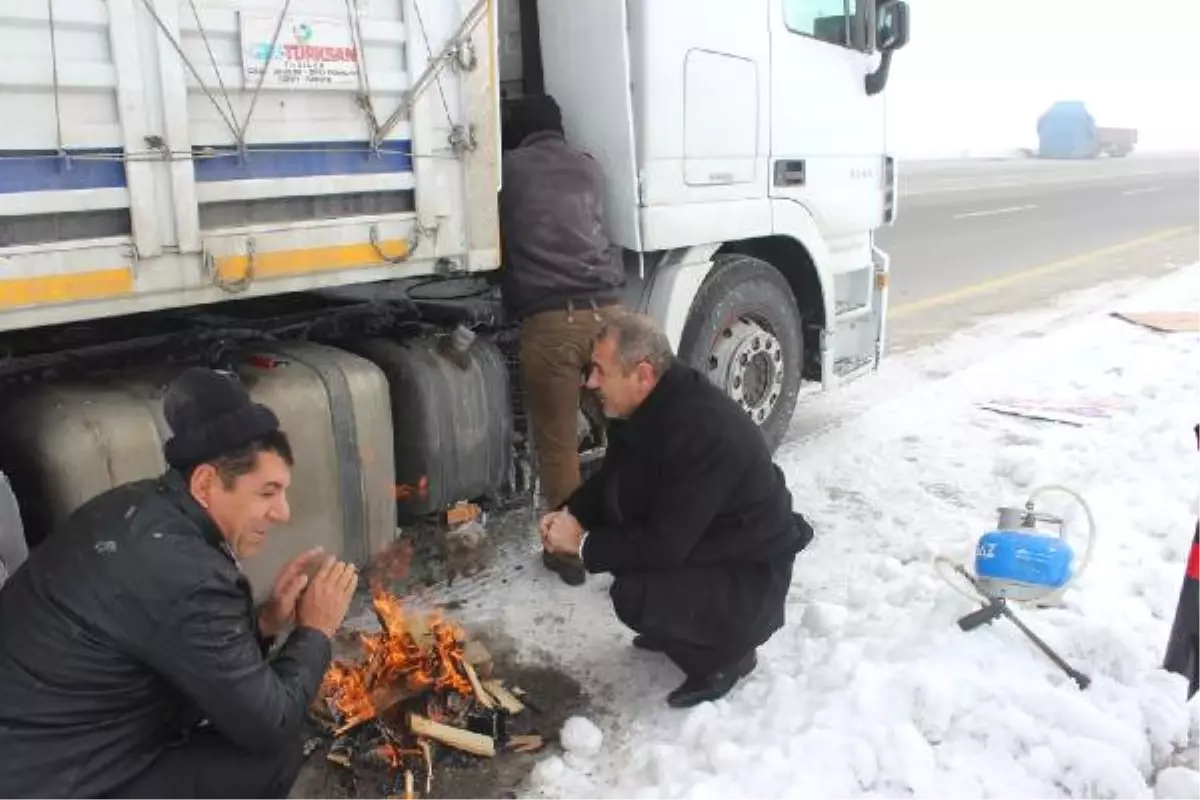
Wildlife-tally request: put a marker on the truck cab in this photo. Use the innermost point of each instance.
(746, 157)
(307, 197)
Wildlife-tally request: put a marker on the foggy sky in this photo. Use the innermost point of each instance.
(976, 75)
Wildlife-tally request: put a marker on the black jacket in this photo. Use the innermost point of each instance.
(1183, 645)
(122, 631)
(688, 495)
(552, 221)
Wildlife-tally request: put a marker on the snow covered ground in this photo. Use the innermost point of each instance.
(871, 690)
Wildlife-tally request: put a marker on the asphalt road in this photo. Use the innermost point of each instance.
(975, 238)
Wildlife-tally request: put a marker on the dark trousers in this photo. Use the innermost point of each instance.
(207, 765)
(696, 660)
(706, 618)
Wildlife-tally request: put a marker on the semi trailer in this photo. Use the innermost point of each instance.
(304, 193)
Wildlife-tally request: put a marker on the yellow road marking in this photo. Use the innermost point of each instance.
(280, 263)
(988, 286)
(65, 288)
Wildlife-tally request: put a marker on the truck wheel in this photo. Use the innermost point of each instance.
(744, 333)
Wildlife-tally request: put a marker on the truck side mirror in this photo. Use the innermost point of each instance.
(891, 25)
(891, 33)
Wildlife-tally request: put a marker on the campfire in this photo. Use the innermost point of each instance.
(420, 689)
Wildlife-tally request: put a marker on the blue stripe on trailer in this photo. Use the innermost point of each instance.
(300, 160)
(103, 168)
(51, 171)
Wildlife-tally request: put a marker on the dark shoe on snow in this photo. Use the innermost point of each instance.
(569, 569)
(713, 686)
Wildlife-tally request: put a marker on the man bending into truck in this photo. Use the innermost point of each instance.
(688, 512)
(132, 663)
(561, 275)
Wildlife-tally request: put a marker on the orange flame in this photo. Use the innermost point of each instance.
(404, 658)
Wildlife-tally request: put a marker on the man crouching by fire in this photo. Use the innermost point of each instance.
(133, 624)
(688, 512)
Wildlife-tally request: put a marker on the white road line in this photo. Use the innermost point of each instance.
(992, 212)
(1143, 190)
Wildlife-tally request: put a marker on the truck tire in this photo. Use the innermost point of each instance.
(744, 333)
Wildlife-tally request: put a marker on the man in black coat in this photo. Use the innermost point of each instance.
(132, 625)
(688, 512)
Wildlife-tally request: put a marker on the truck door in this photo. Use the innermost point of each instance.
(827, 134)
(585, 57)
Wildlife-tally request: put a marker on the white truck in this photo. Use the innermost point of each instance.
(304, 191)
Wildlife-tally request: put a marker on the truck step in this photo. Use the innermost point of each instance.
(845, 312)
(845, 367)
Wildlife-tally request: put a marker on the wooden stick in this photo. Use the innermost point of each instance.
(525, 744)
(383, 699)
(476, 686)
(475, 654)
(474, 743)
(504, 697)
(409, 794)
(424, 745)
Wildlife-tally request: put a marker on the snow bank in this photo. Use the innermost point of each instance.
(871, 689)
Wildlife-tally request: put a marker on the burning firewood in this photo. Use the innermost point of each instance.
(476, 687)
(396, 666)
(424, 745)
(419, 685)
(504, 698)
(479, 658)
(473, 743)
(379, 701)
(339, 755)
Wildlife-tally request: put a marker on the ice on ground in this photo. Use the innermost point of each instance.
(871, 689)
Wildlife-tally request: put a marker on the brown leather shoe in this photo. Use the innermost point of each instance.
(571, 570)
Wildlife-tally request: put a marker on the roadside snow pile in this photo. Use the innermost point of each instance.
(1177, 782)
(871, 689)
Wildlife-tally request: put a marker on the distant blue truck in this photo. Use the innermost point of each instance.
(1068, 130)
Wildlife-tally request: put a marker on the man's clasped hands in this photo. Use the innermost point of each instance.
(561, 533)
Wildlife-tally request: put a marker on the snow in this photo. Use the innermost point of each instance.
(1177, 782)
(581, 737)
(984, 92)
(871, 690)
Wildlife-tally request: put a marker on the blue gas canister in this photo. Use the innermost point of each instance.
(1020, 562)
